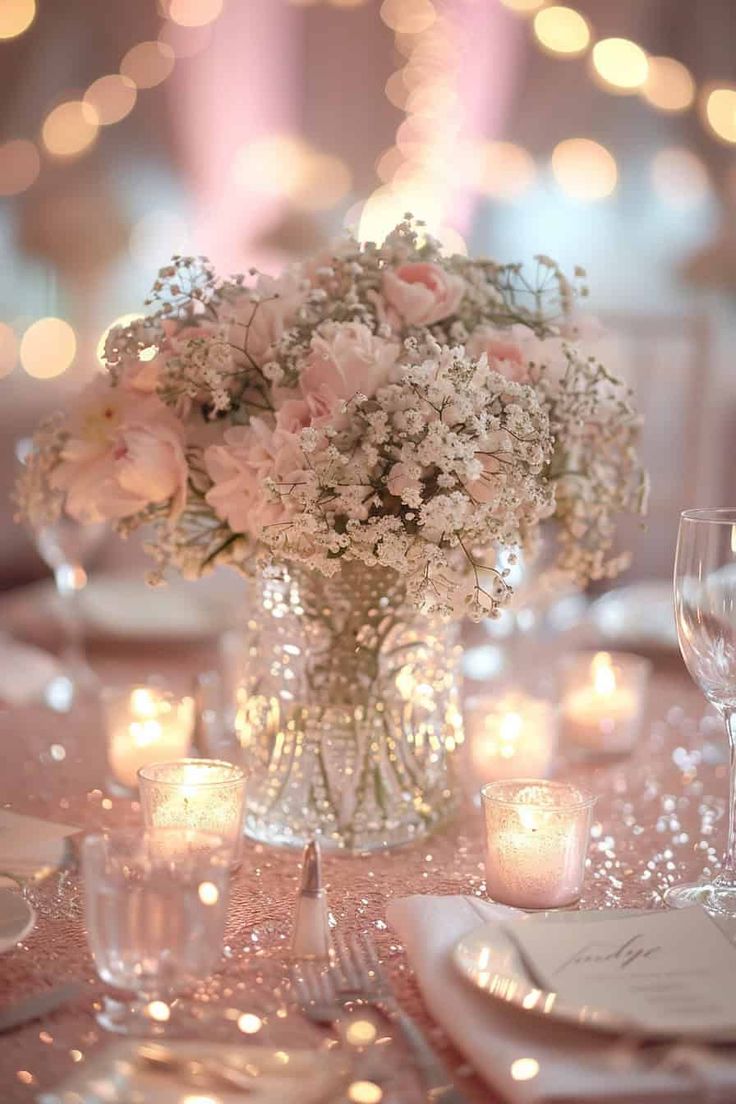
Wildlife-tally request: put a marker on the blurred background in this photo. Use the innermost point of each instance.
(601, 132)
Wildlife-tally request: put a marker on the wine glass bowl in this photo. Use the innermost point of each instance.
(705, 614)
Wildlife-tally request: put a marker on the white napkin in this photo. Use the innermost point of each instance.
(24, 671)
(31, 847)
(574, 1064)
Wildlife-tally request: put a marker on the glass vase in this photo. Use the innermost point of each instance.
(347, 711)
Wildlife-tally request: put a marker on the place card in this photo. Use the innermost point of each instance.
(30, 846)
(666, 973)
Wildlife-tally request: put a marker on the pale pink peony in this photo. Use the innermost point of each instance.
(346, 359)
(423, 293)
(125, 452)
(256, 327)
(505, 354)
(239, 469)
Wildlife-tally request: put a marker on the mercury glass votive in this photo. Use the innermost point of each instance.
(144, 724)
(603, 700)
(510, 736)
(536, 835)
(203, 794)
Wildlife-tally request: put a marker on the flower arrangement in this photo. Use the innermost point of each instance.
(383, 404)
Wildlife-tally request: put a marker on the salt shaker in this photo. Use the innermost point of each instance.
(311, 935)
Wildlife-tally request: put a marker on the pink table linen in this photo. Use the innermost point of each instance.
(659, 819)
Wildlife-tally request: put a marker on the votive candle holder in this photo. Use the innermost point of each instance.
(536, 839)
(511, 736)
(603, 701)
(203, 794)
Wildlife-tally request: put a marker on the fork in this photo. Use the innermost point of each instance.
(361, 977)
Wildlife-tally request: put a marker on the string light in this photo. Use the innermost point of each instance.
(47, 348)
(523, 7)
(719, 111)
(562, 30)
(194, 13)
(621, 64)
(19, 166)
(112, 97)
(148, 63)
(679, 177)
(70, 128)
(16, 17)
(669, 85)
(584, 169)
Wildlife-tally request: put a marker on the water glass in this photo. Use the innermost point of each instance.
(155, 908)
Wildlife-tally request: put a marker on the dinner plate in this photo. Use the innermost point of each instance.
(490, 960)
(17, 918)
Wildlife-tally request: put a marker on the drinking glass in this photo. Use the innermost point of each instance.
(155, 907)
(66, 547)
(705, 612)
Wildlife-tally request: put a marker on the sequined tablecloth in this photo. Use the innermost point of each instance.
(659, 819)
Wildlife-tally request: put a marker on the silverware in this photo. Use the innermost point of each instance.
(316, 992)
(36, 1007)
(195, 1071)
(361, 978)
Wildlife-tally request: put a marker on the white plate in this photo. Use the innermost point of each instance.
(126, 608)
(490, 960)
(641, 615)
(17, 919)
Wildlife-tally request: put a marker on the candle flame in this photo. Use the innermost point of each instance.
(528, 819)
(144, 702)
(144, 733)
(511, 727)
(604, 676)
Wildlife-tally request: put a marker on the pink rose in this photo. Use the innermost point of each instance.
(423, 293)
(124, 452)
(239, 469)
(256, 327)
(504, 354)
(345, 359)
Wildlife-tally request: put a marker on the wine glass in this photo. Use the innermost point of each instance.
(66, 547)
(155, 909)
(705, 612)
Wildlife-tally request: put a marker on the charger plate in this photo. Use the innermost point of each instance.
(490, 960)
(17, 918)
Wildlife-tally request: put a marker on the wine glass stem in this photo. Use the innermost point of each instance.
(728, 872)
(74, 653)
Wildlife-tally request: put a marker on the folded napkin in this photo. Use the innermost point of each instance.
(572, 1064)
(25, 671)
(31, 847)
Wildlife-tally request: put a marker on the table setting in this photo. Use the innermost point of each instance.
(306, 850)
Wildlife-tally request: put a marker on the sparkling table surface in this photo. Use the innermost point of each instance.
(659, 819)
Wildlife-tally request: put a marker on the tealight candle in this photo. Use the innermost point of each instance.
(203, 794)
(603, 702)
(537, 835)
(145, 724)
(510, 737)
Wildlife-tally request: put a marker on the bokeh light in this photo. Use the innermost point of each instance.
(365, 1092)
(194, 13)
(679, 177)
(16, 17)
(70, 128)
(8, 349)
(524, 1069)
(584, 169)
(186, 42)
(526, 7)
(620, 64)
(408, 16)
(669, 85)
(396, 89)
(720, 112)
(285, 165)
(148, 63)
(47, 348)
(112, 97)
(19, 166)
(562, 30)
(121, 320)
(503, 170)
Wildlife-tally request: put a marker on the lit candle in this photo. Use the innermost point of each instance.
(514, 736)
(203, 794)
(603, 702)
(145, 724)
(537, 835)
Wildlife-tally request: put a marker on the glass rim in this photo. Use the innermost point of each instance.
(586, 800)
(717, 515)
(137, 835)
(238, 774)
